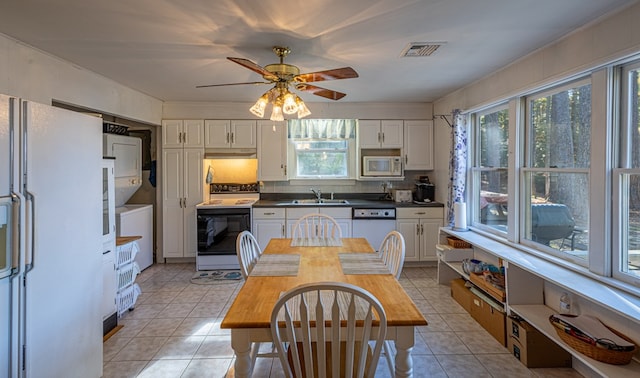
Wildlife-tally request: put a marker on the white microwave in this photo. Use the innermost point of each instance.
(381, 166)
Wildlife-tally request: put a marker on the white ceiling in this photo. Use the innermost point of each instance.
(165, 48)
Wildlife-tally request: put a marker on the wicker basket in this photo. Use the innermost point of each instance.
(457, 243)
(599, 354)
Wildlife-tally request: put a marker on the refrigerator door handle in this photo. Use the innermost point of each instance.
(30, 232)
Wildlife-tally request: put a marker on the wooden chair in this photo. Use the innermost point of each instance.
(248, 252)
(328, 329)
(316, 225)
(392, 251)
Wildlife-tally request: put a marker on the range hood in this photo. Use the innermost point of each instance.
(230, 153)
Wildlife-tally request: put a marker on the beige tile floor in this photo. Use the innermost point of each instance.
(174, 331)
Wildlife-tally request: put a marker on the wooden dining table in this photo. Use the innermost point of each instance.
(249, 316)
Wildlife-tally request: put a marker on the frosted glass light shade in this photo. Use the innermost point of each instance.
(276, 113)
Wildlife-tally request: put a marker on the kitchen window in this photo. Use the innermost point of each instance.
(556, 172)
(626, 179)
(322, 149)
(490, 163)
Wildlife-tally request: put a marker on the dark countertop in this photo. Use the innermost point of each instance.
(368, 200)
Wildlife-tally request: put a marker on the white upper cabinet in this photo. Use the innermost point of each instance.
(380, 134)
(272, 151)
(418, 145)
(230, 134)
(177, 133)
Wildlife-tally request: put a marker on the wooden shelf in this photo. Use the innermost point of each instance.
(538, 316)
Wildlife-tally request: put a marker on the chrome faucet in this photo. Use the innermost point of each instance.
(318, 193)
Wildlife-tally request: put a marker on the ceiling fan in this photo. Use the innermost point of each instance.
(282, 75)
(285, 74)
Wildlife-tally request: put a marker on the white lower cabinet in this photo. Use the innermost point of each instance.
(342, 215)
(109, 283)
(268, 223)
(420, 227)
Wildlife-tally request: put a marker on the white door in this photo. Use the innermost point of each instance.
(392, 132)
(172, 202)
(243, 134)
(267, 229)
(409, 228)
(272, 151)
(127, 151)
(369, 134)
(217, 133)
(66, 255)
(429, 229)
(172, 133)
(193, 133)
(193, 192)
(418, 145)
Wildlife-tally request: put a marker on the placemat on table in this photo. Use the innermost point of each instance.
(276, 265)
(316, 242)
(362, 263)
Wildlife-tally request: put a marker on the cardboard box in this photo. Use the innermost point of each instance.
(461, 293)
(490, 315)
(532, 348)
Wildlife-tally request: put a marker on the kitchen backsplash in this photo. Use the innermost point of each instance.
(353, 187)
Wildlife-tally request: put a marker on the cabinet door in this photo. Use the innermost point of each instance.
(409, 228)
(172, 202)
(193, 192)
(193, 133)
(429, 229)
(243, 134)
(217, 133)
(418, 145)
(109, 283)
(369, 134)
(272, 151)
(267, 229)
(391, 134)
(172, 133)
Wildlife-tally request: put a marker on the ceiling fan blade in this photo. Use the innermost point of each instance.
(224, 85)
(335, 74)
(322, 92)
(254, 67)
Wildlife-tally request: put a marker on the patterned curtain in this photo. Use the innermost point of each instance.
(457, 163)
(322, 128)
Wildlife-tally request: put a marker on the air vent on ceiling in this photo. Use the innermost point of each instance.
(416, 49)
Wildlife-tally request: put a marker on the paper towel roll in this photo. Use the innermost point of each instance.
(460, 216)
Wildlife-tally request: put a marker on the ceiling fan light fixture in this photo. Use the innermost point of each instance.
(276, 113)
(303, 111)
(289, 105)
(258, 108)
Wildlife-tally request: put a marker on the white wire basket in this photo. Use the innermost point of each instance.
(127, 298)
(127, 274)
(126, 253)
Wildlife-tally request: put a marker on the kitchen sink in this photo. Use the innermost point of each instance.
(320, 202)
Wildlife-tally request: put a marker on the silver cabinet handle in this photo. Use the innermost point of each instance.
(406, 159)
(227, 138)
(382, 137)
(421, 229)
(232, 138)
(270, 213)
(417, 229)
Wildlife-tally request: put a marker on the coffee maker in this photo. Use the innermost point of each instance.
(425, 190)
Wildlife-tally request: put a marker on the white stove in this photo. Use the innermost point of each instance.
(220, 220)
(230, 195)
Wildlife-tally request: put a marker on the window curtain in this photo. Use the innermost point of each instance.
(322, 128)
(457, 163)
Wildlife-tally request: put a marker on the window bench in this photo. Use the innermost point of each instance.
(533, 289)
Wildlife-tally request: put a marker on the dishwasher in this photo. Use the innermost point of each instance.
(373, 224)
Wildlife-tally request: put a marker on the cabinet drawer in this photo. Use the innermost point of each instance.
(268, 213)
(299, 212)
(419, 212)
(337, 212)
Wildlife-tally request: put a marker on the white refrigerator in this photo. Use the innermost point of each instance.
(50, 241)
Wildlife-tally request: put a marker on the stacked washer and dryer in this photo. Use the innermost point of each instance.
(131, 219)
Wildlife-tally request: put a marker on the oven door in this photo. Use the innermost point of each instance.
(218, 229)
